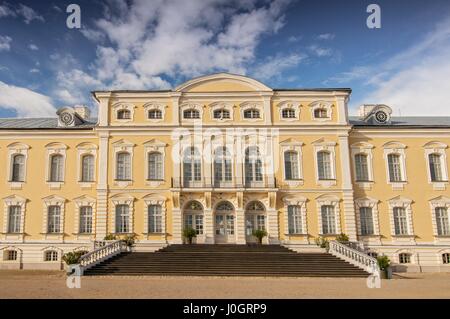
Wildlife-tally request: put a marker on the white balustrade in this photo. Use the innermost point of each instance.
(355, 257)
(102, 250)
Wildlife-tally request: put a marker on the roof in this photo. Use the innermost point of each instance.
(406, 121)
(40, 123)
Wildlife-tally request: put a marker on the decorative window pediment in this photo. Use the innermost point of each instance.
(437, 167)
(289, 110)
(321, 110)
(372, 204)
(222, 111)
(191, 108)
(362, 158)
(328, 207)
(17, 164)
(123, 112)
(155, 111)
(256, 108)
(401, 219)
(395, 161)
(19, 205)
(325, 159)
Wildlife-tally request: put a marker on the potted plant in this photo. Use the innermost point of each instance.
(189, 233)
(322, 242)
(259, 234)
(342, 238)
(385, 266)
(110, 237)
(73, 258)
(129, 241)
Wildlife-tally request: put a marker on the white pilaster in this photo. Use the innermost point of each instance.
(102, 187)
(240, 227)
(176, 108)
(342, 110)
(267, 98)
(177, 227)
(208, 224)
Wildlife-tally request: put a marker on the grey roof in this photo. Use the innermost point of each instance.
(40, 123)
(406, 121)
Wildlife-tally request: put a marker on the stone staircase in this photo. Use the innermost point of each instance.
(226, 260)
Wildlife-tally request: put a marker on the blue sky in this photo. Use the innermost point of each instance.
(155, 44)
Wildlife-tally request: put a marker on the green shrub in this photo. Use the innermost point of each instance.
(189, 233)
(322, 242)
(342, 238)
(259, 234)
(129, 240)
(73, 257)
(110, 237)
(383, 262)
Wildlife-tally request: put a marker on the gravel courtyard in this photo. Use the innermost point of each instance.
(46, 284)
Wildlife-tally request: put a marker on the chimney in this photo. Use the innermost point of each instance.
(82, 111)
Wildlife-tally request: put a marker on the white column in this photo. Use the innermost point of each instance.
(347, 189)
(103, 108)
(102, 187)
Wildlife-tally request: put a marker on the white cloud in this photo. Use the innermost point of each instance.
(28, 14)
(5, 43)
(319, 51)
(34, 71)
(25, 102)
(326, 36)
(33, 47)
(6, 11)
(294, 39)
(273, 67)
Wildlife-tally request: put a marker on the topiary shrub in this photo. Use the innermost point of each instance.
(110, 237)
(383, 262)
(73, 257)
(322, 242)
(189, 233)
(342, 238)
(129, 240)
(259, 234)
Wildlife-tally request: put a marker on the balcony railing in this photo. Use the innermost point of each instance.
(265, 182)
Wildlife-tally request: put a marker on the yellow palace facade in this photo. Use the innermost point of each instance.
(225, 154)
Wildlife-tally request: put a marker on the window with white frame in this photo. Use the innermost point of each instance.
(18, 168)
(54, 219)
(400, 221)
(222, 165)
(86, 219)
(287, 113)
(10, 255)
(194, 221)
(14, 219)
(155, 166)
(221, 114)
(446, 258)
(442, 221)
(395, 168)
(404, 258)
(436, 167)
(155, 114)
(123, 114)
(324, 165)
(321, 113)
(252, 114)
(122, 219)
(56, 168)
(253, 165)
(328, 220)
(192, 166)
(291, 167)
(51, 255)
(295, 219)
(191, 114)
(123, 166)
(87, 168)
(154, 219)
(362, 168)
(366, 221)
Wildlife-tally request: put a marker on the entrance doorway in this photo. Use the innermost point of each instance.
(224, 223)
(255, 218)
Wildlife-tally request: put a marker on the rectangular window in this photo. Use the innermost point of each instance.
(123, 166)
(294, 219)
(18, 168)
(328, 220)
(446, 258)
(122, 219)
(362, 168)
(54, 220)
(154, 219)
(260, 222)
(155, 166)
(366, 221)
(435, 167)
(56, 168)
(199, 224)
(400, 221)
(14, 219)
(395, 168)
(87, 170)
(86, 220)
(324, 165)
(11, 255)
(442, 221)
(194, 221)
(404, 258)
(291, 166)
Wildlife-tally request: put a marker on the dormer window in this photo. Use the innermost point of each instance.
(320, 113)
(191, 114)
(288, 114)
(155, 114)
(222, 114)
(123, 115)
(252, 114)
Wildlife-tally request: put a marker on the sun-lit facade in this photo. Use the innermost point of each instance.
(225, 154)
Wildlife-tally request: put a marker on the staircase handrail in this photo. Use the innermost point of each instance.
(100, 254)
(355, 257)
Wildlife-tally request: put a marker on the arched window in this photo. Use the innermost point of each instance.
(51, 255)
(288, 113)
(56, 168)
(328, 220)
(320, 113)
(362, 168)
(191, 114)
(123, 115)
(442, 221)
(324, 165)
(193, 217)
(222, 114)
(224, 206)
(18, 168)
(122, 219)
(255, 207)
(155, 166)
(435, 162)
(395, 168)
(291, 167)
(54, 219)
(154, 219)
(123, 166)
(253, 165)
(14, 217)
(251, 114)
(404, 258)
(222, 165)
(294, 219)
(400, 221)
(87, 168)
(192, 167)
(155, 114)
(86, 220)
